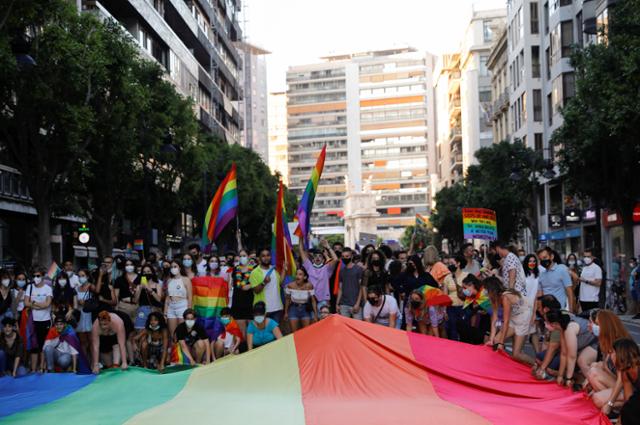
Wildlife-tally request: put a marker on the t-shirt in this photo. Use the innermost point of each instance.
(262, 336)
(511, 262)
(190, 337)
(472, 267)
(74, 281)
(40, 295)
(390, 307)
(590, 293)
(319, 278)
(532, 288)
(350, 281)
(122, 285)
(270, 294)
(554, 281)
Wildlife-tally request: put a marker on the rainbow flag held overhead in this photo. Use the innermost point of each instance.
(210, 295)
(138, 244)
(303, 215)
(421, 221)
(53, 271)
(282, 252)
(223, 207)
(418, 380)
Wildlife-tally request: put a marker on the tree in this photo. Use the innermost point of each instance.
(424, 236)
(598, 147)
(46, 118)
(503, 180)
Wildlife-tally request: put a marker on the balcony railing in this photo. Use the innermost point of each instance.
(455, 133)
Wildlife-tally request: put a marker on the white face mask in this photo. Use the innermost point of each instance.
(244, 260)
(70, 273)
(6, 282)
(129, 269)
(259, 319)
(154, 328)
(213, 265)
(62, 282)
(21, 283)
(190, 323)
(37, 280)
(571, 262)
(82, 280)
(587, 260)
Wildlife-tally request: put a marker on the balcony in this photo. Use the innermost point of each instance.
(454, 105)
(12, 185)
(455, 134)
(456, 164)
(501, 104)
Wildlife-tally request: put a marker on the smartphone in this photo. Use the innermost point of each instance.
(143, 280)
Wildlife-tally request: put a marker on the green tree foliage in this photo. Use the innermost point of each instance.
(503, 180)
(598, 143)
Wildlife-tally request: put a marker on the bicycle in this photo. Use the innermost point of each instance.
(616, 296)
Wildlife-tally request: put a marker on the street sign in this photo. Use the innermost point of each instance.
(556, 221)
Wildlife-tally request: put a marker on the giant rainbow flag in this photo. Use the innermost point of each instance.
(361, 373)
(223, 207)
(303, 215)
(282, 252)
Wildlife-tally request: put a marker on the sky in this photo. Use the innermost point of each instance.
(298, 32)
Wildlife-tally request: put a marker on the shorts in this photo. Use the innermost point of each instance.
(227, 340)
(107, 342)
(345, 310)
(155, 351)
(176, 309)
(298, 312)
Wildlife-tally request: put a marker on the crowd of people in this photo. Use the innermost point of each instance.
(126, 312)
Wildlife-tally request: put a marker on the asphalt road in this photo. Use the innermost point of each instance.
(633, 326)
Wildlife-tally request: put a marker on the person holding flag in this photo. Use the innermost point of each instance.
(303, 214)
(319, 271)
(265, 282)
(62, 349)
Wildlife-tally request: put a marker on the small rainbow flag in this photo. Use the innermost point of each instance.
(210, 295)
(138, 244)
(178, 356)
(421, 221)
(53, 271)
(303, 215)
(223, 207)
(282, 253)
(481, 299)
(434, 296)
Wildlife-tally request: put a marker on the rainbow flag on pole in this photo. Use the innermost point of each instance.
(282, 253)
(303, 214)
(53, 271)
(223, 207)
(421, 221)
(138, 244)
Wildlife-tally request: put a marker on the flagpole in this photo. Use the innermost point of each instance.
(238, 234)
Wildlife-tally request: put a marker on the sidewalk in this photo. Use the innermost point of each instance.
(633, 326)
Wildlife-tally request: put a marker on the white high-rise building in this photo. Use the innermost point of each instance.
(278, 147)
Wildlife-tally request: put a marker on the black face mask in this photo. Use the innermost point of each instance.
(411, 268)
(346, 260)
(545, 263)
(452, 268)
(376, 263)
(373, 301)
(149, 276)
(415, 304)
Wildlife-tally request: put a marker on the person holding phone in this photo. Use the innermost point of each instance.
(147, 296)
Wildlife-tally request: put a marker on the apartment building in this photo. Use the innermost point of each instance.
(194, 41)
(253, 107)
(497, 64)
(278, 147)
(374, 111)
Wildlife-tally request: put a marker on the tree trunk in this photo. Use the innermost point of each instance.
(43, 258)
(103, 233)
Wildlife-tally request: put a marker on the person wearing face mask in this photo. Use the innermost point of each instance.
(107, 299)
(216, 269)
(590, 281)
(601, 374)
(198, 259)
(242, 298)
(148, 296)
(193, 339)
(179, 296)
(555, 278)
(38, 300)
(319, 271)
(65, 301)
(261, 329)
(6, 295)
(83, 293)
(125, 287)
(379, 308)
(11, 350)
(17, 294)
(547, 358)
(575, 337)
(189, 265)
(228, 343)
(452, 286)
(300, 306)
(324, 312)
(476, 320)
(351, 290)
(375, 273)
(574, 271)
(265, 282)
(71, 274)
(153, 341)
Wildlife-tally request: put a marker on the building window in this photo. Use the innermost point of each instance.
(546, 18)
(568, 86)
(524, 108)
(534, 21)
(487, 31)
(484, 71)
(485, 96)
(537, 105)
(535, 61)
(547, 60)
(556, 94)
(580, 29)
(521, 69)
(537, 140)
(567, 38)
(555, 45)
(565, 3)
(550, 109)
(602, 25)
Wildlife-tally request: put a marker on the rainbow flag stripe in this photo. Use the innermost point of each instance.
(479, 223)
(281, 247)
(420, 220)
(307, 385)
(303, 215)
(210, 295)
(53, 271)
(138, 244)
(178, 357)
(223, 207)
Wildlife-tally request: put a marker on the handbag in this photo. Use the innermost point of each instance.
(91, 303)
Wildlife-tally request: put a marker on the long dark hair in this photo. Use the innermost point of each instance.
(381, 256)
(495, 289)
(161, 321)
(417, 261)
(525, 266)
(558, 316)
(62, 295)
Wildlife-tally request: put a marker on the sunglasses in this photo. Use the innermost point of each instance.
(37, 275)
